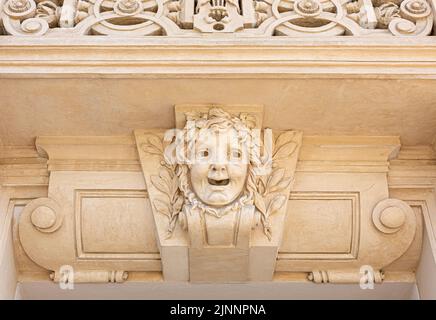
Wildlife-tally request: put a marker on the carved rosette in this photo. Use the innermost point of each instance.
(22, 9)
(19, 18)
(415, 19)
(128, 7)
(308, 8)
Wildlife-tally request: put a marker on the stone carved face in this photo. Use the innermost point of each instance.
(219, 171)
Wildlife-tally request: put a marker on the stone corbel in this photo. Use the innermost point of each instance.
(94, 222)
(204, 240)
(396, 223)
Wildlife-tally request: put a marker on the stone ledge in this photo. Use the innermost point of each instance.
(342, 57)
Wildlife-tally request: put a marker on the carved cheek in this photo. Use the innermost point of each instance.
(238, 174)
(199, 177)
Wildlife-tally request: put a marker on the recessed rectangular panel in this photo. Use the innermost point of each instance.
(114, 223)
(320, 226)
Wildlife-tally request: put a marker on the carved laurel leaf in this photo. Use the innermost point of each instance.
(174, 186)
(284, 137)
(153, 145)
(178, 204)
(259, 202)
(150, 149)
(276, 204)
(261, 186)
(276, 176)
(160, 184)
(162, 207)
(171, 226)
(267, 153)
(285, 145)
(282, 185)
(165, 175)
(268, 232)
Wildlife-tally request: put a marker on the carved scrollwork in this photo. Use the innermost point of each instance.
(21, 18)
(390, 215)
(385, 13)
(45, 214)
(21, 9)
(415, 9)
(252, 17)
(49, 11)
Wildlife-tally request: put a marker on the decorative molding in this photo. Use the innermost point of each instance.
(121, 202)
(347, 154)
(111, 207)
(371, 189)
(94, 276)
(346, 276)
(115, 153)
(21, 167)
(425, 199)
(346, 57)
(415, 167)
(325, 199)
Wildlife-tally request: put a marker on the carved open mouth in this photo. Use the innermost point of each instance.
(222, 182)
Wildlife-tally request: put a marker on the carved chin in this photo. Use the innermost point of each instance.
(218, 198)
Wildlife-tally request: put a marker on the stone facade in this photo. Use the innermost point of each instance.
(240, 142)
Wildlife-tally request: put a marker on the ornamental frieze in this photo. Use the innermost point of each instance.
(243, 18)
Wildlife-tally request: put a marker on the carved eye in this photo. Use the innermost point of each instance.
(203, 153)
(235, 154)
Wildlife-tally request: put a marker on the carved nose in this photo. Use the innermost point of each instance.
(218, 168)
(218, 171)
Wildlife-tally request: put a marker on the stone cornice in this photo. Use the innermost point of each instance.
(411, 167)
(115, 153)
(21, 166)
(319, 153)
(415, 167)
(341, 57)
